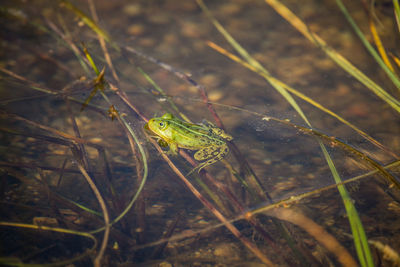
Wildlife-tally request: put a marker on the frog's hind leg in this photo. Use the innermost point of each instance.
(211, 155)
(209, 152)
(199, 167)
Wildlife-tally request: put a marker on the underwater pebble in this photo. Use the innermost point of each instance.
(253, 264)
(238, 83)
(210, 80)
(329, 221)
(202, 222)
(394, 207)
(215, 95)
(170, 39)
(82, 121)
(155, 209)
(159, 19)
(56, 151)
(147, 42)
(135, 29)
(296, 167)
(324, 64)
(310, 176)
(132, 9)
(359, 110)
(46, 221)
(184, 6)
(192, 30)
(226, 251)
(342, 90)
(267, 161)
(229, 9)
(188, 5)
(96, 140)
(92, 152)
(286, 184)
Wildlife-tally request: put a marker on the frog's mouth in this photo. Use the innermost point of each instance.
(149, 131)
(160, 141)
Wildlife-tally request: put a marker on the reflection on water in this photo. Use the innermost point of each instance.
(55, 150)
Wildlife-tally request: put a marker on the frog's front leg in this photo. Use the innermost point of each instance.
(173, 149)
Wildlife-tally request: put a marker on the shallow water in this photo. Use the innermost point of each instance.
(45, 135)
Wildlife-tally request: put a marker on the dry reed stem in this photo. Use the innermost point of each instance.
(97, 260)
(66, 39)
(103, 42)
(211, 207)
(315, 230)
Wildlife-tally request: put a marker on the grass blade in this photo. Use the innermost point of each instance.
(253, 62)
(397, 12)
(161, 91)
(360, 238)
(379, 45)
(335, 56)
(88, 21)
(369, 47)
(303, 97)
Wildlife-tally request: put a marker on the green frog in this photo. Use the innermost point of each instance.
(207, 139)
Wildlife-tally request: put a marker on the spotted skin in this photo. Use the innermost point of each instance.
(209, 140)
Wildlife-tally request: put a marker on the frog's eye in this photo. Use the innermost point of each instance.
(162, 124)
(168, 116)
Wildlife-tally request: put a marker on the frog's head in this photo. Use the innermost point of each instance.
(160, 127)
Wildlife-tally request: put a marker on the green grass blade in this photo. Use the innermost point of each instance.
(303, 97)
(335, 56)
(97, 213)
(212, 195)
(161, 91)
(360, 238)
(253, 62)
(397, 12)
(134, 136)
(90, 59)
(88, 21)
(369, 47)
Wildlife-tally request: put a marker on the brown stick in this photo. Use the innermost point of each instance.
(103, 42)
(97, 260)
(315, 230)
(216, 213)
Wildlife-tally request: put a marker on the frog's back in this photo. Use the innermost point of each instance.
(193, 136)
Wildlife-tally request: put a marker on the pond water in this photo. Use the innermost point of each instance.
(68, 133)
